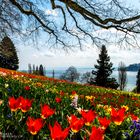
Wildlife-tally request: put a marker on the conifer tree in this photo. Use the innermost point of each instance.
(138, 82)
(103, 71)
(29, 68)
(34, 69)
(53, 74)
(41, 70)
(8, 54)
(37, 71)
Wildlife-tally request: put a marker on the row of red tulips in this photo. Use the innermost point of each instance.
(76, 124)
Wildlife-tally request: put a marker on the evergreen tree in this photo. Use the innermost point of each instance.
(29, 68)
(103, 71)
(41, 70)
(34, 70)
(53, 74)
(37, 71)
(8, 54)
(138, 82)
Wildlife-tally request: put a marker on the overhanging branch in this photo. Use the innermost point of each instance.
(31, 13)
(74, 6)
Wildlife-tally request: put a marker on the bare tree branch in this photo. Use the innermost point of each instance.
(73, 5)
(30, 12)
(72, 14)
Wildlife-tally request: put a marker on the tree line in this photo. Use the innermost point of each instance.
(38, 70)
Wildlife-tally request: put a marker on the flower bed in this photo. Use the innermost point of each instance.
(37, 107)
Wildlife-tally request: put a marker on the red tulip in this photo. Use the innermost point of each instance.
(118, 116)
(97, 134)
(14, 103)
(57, 133)
(34, 125)
(134, 117)
(25, 104)
(73, 92)
(46, 111)
(75, 123)
(27, 88)
(104, 122)
(58, 100)
(88, 116)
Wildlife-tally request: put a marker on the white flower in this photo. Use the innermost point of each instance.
(74, 101)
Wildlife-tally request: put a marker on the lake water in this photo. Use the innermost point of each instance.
(131, 79)
(131, 76)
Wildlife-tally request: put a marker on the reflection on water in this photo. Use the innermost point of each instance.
(131, 76)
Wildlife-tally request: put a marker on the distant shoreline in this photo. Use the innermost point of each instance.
(131, 75)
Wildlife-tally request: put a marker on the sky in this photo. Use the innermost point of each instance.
(54, 59)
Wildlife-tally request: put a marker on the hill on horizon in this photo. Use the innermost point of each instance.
(133, 67)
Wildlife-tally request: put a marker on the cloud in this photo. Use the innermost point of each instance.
(51, 12)
(128, 56)
(86, 58)
(42, 54)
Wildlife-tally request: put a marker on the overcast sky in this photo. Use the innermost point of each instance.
(86, 58)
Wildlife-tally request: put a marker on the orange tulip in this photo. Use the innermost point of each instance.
(88, 116)
(34, 125)
(46, 111)
(75, 123)
(14, 103)
(118, 116)
(57, 133)
(97, 134)
(104, 122)
(61, 93)
(25, 104)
